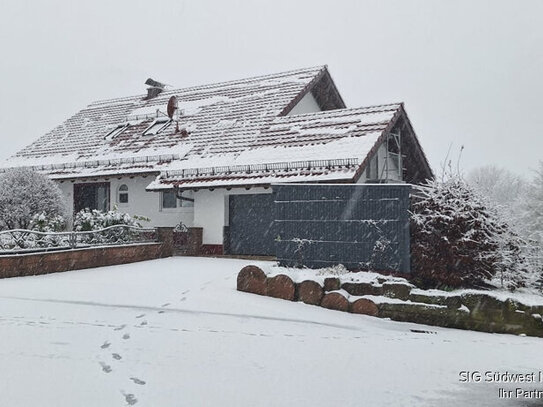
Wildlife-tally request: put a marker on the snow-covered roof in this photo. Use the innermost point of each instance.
(234, 132)
(322, 146)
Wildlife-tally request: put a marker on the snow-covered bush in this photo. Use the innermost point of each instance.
(24, 194)
(87, 220)
(94, 220)
(458, 241)
(43, 223)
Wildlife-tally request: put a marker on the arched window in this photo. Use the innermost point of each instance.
(123, 194)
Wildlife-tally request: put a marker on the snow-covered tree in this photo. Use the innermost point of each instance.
(531, 208)
(24, 194)
(519, 204)
(459, 241)
(499, 185)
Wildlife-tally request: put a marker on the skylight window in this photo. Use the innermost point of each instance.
(116, 131)
(157, 126)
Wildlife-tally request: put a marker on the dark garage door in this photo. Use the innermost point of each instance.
(251, 221)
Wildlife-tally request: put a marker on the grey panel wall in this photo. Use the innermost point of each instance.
(251, 225)
(361, 226)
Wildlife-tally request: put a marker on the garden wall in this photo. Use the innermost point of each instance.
(188, 243)
(64, 260)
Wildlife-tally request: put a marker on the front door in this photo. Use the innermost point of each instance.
(91, 196)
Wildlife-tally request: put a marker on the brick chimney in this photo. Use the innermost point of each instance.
(155, 88)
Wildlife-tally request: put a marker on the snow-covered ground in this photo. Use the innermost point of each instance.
(175, 332)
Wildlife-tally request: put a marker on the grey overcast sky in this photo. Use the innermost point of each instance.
(469, 72)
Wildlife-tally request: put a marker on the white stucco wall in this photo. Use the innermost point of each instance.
(211, 211)
(140, 202)
(307, 104)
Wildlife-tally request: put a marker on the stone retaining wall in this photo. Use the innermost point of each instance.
(476, 311)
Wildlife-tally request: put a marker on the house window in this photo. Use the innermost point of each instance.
(157, 126)
(91, 196)
(122, 197)
(116, 131)
(171, 201)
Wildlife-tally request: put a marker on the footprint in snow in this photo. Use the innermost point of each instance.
(126, 336)
(116, 356)
(161, 312)
(140, 316)
(204, 285)
(165, 305)
(183, 299)
(105, 368)
(120, 327)
(138, 381)
(130, 398)
(105, 345)
(143, 323)
(185, 292)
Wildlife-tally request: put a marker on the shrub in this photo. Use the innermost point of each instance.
(43, 223)
(24, 194)
(94, 220)
(87, 220)
(458, 241)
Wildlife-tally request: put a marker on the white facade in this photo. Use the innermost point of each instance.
(140, 202)
(210, 210)
(307, 104)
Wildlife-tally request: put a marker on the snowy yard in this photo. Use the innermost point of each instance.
(175, 332)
